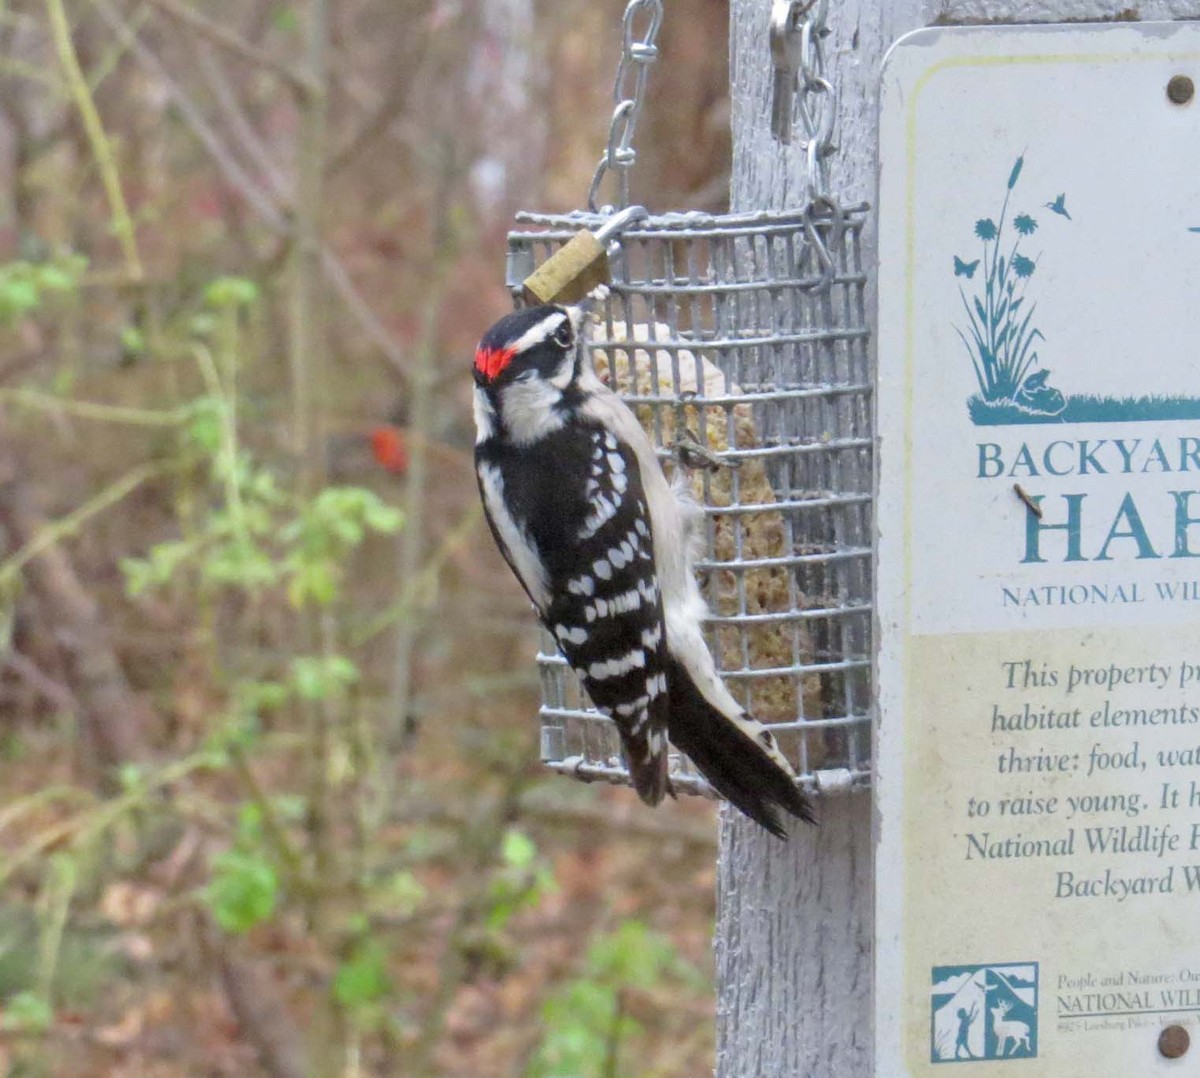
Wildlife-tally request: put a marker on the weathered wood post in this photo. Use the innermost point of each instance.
(795, 935)
(794, 923)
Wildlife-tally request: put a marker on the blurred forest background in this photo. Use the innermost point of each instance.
(269, 793)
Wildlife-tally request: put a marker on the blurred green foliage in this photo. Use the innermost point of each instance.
(586, 1022)
(25, 286)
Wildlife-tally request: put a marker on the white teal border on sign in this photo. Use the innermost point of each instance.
(1038, 551)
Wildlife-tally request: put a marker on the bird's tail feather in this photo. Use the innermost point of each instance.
(736, 767)
(649, 773)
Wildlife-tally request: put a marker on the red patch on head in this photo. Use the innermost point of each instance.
(491, 361)
(388, 448)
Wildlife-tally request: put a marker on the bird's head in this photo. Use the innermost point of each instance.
(537, 343)
(526, 369)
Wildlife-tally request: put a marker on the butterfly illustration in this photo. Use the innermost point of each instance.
(965, 269)
(1059, 206)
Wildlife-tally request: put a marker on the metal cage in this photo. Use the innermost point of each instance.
(748, 335)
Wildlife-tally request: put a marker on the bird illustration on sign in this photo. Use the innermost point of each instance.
(1059, 206)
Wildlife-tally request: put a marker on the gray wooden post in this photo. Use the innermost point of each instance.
(795, 936)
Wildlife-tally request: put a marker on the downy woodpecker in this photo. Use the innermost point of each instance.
(604, 547)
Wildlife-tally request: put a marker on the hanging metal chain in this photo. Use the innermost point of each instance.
(798, 30)
(798, 33)
(629, 89)
(818, 101)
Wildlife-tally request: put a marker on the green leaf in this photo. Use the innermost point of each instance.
(314, 580)
(241, 563)
(243, 891)
(263, 486)
(518, 849)
(137, 576)
(26, 1012)
(403, 892)
(347, 530)
(308, 678)
(158, 568)
(130, 776)
(382, 518)
(520, 884)
(204, 426)
(239, 728)
(254, 696)
(55, 278)
(315, 678)
(133, 341)
(363, 978)
(284, 18)
(17, 296)
(166, 558)
(342, 669)
(249, 825)
(578, 1023)
(230, 292)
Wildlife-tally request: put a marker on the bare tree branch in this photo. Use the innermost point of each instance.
(56, 694)
(243, 130)
(110, 715)
(277, 219)
(257, 1007)
(204, 27)
(81, 95)
(385, 118)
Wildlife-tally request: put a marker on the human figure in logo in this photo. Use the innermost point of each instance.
(965, 1021)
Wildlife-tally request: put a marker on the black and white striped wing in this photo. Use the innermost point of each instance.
(606, 611)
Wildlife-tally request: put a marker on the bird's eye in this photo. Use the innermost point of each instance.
(527, 376)
(562, 335)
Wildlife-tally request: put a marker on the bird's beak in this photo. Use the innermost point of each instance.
(587, 306)
(580, 314)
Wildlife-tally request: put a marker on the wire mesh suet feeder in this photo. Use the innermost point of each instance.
(744, 339)
(742, 342)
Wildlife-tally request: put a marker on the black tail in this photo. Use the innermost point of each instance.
(734, 765)
(648, 771)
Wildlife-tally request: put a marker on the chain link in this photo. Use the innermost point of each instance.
(638, 53)
(817, 101)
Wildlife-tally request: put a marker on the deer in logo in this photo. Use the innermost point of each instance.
(1005, 1030)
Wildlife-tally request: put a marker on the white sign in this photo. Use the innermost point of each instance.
(1038, 859)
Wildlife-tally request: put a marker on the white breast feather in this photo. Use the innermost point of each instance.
(529, 410)
(485, 417)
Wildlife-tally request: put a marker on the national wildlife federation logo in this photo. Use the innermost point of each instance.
(984, 1012)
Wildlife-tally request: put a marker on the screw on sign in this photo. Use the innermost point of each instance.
(1173, 1042)
(1180, 90)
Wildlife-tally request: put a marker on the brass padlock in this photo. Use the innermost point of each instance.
(570, 273)
(581, 264)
